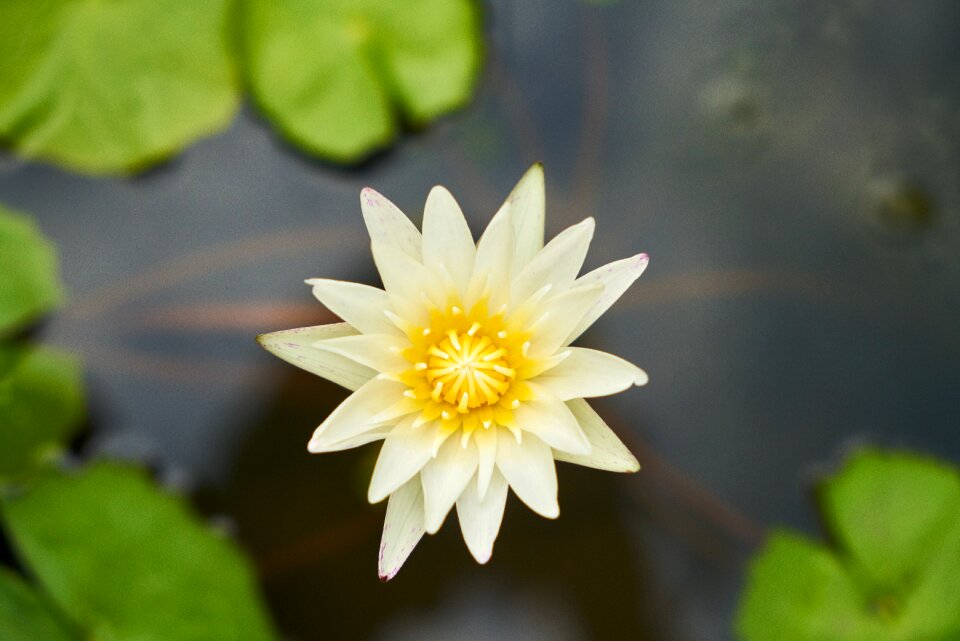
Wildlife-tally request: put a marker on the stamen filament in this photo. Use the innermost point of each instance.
(506, 371)
(452, 334)
(438, 352)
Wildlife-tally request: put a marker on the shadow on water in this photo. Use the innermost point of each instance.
(314, 538)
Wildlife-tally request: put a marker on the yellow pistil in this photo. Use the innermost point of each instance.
(465, 369)
(468, 370)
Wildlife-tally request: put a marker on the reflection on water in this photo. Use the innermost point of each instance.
(793, 169)
(899, 206)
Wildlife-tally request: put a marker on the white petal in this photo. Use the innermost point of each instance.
(447, 242)
(486, 439)
(387, 224)
(402, 528)
(356, 415)
(587, 373)
(608, 452)
(558, 316)
(405, 450)
(493, 262)
(296, 346)
(409, 284)
(557, 264)
(444, 478)
(526, 204)
(381, 352)
(616, 278)
(363, 438)
(550, 419)
(398, 410)
(359, 305)
(480, 516)
(529, 469)
(535, 367)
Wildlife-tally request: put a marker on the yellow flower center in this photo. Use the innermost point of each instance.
(466, 369)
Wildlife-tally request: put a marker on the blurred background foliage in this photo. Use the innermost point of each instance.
(793, 167)
(109, 555)
(113, 87)
(893, 572)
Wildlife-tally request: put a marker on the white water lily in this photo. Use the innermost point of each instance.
(462, 365)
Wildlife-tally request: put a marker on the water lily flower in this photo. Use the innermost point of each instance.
(463, 366)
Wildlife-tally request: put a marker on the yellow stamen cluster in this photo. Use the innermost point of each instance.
(466, 369)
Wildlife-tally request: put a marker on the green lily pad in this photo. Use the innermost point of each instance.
(106, 86)
(29, 278)
(41, 406)
(129, 562)
(894, 574)
(336, 76)
(26, 616)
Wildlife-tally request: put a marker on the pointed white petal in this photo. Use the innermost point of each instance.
(402, 528)
(616, 278)
(526, 204)
(552, 422)
(387, 224)
(481, 515)
(486, 439)
(405, 450)
(359, 305)
(381, 352)
(296, 346)
(493, 262)
(529, 469)
(559, 315)
(356, 415)
(608, 451)
(587, 373)
(408, 283)
(557, 264)
(444, 478)
(447, 241)
(363, 438)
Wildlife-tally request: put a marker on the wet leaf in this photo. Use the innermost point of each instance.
(335, 76)
(112, 86)
(41, 406)
(26, 616)
(894, 575)
(129, 562)
(29, 279)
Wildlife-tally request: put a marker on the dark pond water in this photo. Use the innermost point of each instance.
(791, 166)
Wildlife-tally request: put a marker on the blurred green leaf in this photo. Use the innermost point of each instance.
(112, 86)
(25, 616)
(891, 512)
(129, 562)
(29, 279)
(898, 518)
(41, 405)
(799, 591)
(336, 75)
(895, 575)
